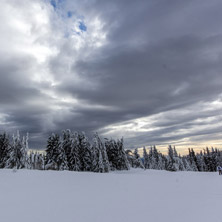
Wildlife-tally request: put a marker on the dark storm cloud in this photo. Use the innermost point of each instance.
(141, 82)
(153, 73)
(159, 59)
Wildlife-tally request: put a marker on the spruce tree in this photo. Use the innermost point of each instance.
(100, 162)
(117, 155)
(161, 162)
(192, 159)
(17, 153)
(171, 160)
(145, 158)
(24, 150)
(67, 147)
(61, 159)
(152, 162)
(112, 152)
(138, 163)
(155, 158)
(85, 152)
(4, 149)
(96, 157)
(74, 159)
(52, 152)
(123, 161)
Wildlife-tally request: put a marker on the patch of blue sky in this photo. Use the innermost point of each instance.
(55, 3)
(69, 14)
(82, 26)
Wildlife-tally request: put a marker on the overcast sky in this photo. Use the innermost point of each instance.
(150, 71)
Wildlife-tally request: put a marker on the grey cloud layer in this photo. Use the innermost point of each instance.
(158, 57)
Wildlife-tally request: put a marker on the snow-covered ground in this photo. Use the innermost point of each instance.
(136, 195)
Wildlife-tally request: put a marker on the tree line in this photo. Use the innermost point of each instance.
(206, 160)
(73, 151)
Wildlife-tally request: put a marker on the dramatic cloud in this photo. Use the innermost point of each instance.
(150, 71)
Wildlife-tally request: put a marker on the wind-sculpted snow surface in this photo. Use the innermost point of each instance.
(121, 196)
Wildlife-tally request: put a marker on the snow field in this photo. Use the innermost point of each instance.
(131, 196)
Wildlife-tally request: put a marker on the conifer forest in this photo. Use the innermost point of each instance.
(74, 152)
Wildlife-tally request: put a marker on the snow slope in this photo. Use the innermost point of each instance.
(136, 195)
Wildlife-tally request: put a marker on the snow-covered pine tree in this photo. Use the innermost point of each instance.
(85, 152)
(192, 159)
(171, 161)
(42, 161)
(17, 156)
(175, 152)
(4, 149)
(152, 160)
(145, 158)
(207, 159)
(186, 164)
(24, 150)
(165, 161)
(137, 160)
(178, 163)
(105, 158)
(97, 158)
(161, 162)
(35, 160)
(31, 160)
(52, 152)
(155, 158)
(39, 161)
(100, 162)
(102, 148)
(218, 157)
(200, 162)
(74, 159)
(117, 155)
(123, 161)
(112, 153)
(67, 146)
(62, 159)
(213, 159)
